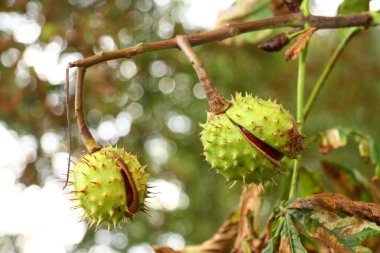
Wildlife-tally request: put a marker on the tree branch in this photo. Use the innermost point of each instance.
(232, 30)
(87, 137)
(216, 101)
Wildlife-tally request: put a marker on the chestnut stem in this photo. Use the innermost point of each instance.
(300, 118)
(218, 104)
(67, 88)
(87, 138)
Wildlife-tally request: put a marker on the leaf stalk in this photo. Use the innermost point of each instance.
(300, 118)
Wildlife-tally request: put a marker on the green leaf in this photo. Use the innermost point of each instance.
(353, 6)
(369, 150)
(377, 171)
(290, 237)
(270, 199)
(245, 11)
(305, 7)
(274, 240)
(375, 17)
(361, 249)
(340, 233)
(245, 246)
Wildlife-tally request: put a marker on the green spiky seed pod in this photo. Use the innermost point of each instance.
(110, 185)
(247, 141)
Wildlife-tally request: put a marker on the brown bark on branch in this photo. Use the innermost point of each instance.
(231, 30)
(216, 101)
(87, 137)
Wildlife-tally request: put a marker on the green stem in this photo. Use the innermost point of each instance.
(293, 185)
(295, 34)
(327, 70)
(305, 8)
(300, 103)
(301, 87)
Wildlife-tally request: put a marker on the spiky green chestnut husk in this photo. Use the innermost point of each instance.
(104, 190)
(229, 151)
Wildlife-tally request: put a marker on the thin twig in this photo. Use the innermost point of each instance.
(232, 30)
(87, 137)
(216, 101)
(67, 87)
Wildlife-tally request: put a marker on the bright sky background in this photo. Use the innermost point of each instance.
(203, 13)
(40, 216)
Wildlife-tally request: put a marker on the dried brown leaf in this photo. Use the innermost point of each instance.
(165, 249)
(221, 241)
(330, 240)
(334, 202)
(284, 245)
(293, 5)
(355, 227)
(249, 201)
(280, 7)
(350, 183)
(295, 50)
(332, 140)
(340, 179)
(275, 44)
